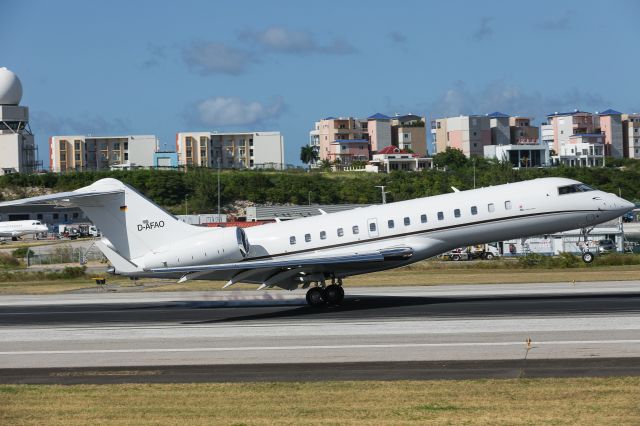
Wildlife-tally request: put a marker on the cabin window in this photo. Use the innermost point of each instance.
(292, 240)
(474, 210)
(340, 232)
(390, 224)
(355, 229)
(372, 227)
(440, 216)
(307, 238)
(407, 221)
(507, 205)
(456, 212)
(323, 235)
(491, 208)
(423, 218)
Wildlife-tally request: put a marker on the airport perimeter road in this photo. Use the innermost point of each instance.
(374, 325)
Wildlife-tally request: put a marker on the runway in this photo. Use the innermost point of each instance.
(394, 332)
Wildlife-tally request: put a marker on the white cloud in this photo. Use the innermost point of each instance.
(232, 111)
(216, 58)
(511, 99)
(283, 40)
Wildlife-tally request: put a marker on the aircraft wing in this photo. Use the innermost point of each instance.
(395, 253)
(61, 198)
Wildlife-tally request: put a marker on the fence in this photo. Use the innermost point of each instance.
(66, 254)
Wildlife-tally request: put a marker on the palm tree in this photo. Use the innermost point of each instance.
(308, 155)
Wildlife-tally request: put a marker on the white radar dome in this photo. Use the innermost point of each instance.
(10, 88)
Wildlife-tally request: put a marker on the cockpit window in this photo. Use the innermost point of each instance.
(572, 189)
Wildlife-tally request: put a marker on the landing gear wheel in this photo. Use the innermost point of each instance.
(315, 297)
(333, 294)
(587, 257)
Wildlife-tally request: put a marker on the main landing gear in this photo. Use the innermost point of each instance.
(332, 294)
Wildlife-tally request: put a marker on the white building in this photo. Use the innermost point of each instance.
(392, 158)
(519, 155)
(546, 135)
(252, 150)
(80, 152)
(586, 150)
(17, 144)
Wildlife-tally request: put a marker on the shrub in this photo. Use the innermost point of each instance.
(22, 252)
(8, 261)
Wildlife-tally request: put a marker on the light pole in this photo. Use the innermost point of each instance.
(309, 198)
(219, 186)
(384, 193)
(186, 204)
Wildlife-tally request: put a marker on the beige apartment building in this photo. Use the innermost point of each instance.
(80, 152)
(472, 133)
(631, 135)
(241, 150)
(349, 138)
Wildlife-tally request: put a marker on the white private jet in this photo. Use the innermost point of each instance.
(17, 228)
(142, 240)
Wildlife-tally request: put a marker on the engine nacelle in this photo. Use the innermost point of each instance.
(212, 246)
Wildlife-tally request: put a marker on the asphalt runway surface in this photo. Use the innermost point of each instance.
(536, 330)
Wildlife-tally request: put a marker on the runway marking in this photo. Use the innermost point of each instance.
(310, 347)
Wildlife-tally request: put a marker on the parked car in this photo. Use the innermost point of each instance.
(606, 246)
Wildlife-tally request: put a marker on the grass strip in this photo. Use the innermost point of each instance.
(477, 402)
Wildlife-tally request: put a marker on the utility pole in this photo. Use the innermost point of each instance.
(309, 198)
(474, 172)
(384, 193)
(219, 186)
(186, 204)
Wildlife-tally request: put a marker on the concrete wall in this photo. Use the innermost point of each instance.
(500, 134)
(141, 149)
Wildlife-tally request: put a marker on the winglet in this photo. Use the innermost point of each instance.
(322, 211)
(184, 278)
(228, 284)
(261, 287)
(455, 189)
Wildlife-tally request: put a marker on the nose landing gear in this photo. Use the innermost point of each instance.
(332, 294)
(587, 256)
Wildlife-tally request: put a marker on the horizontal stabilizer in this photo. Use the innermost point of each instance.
(71, 198)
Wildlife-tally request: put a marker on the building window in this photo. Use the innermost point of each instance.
(507, 205)
(307, 238)
(56, 216)
(407, 221)
(474, 210)
(323, 235)
(340, 232)
(491, 208)
(355, 230)
(372, 227)
(423, 218)
(440, 216)
(456, 212)
(390, 224)
(292, 240)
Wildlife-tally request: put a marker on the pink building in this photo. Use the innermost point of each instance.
(611, 127)
(346, 151)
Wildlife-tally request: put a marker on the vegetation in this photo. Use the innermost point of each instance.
(170, 188)
(308, 154)
(22, 252)
(478, 402)
(8, 261)
(69, 272)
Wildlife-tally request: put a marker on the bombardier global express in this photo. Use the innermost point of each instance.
(142, 240)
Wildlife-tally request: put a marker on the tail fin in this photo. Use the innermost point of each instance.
(133, 224)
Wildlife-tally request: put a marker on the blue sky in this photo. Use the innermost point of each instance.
(114, 67)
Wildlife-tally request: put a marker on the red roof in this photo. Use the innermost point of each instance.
(393, 150)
